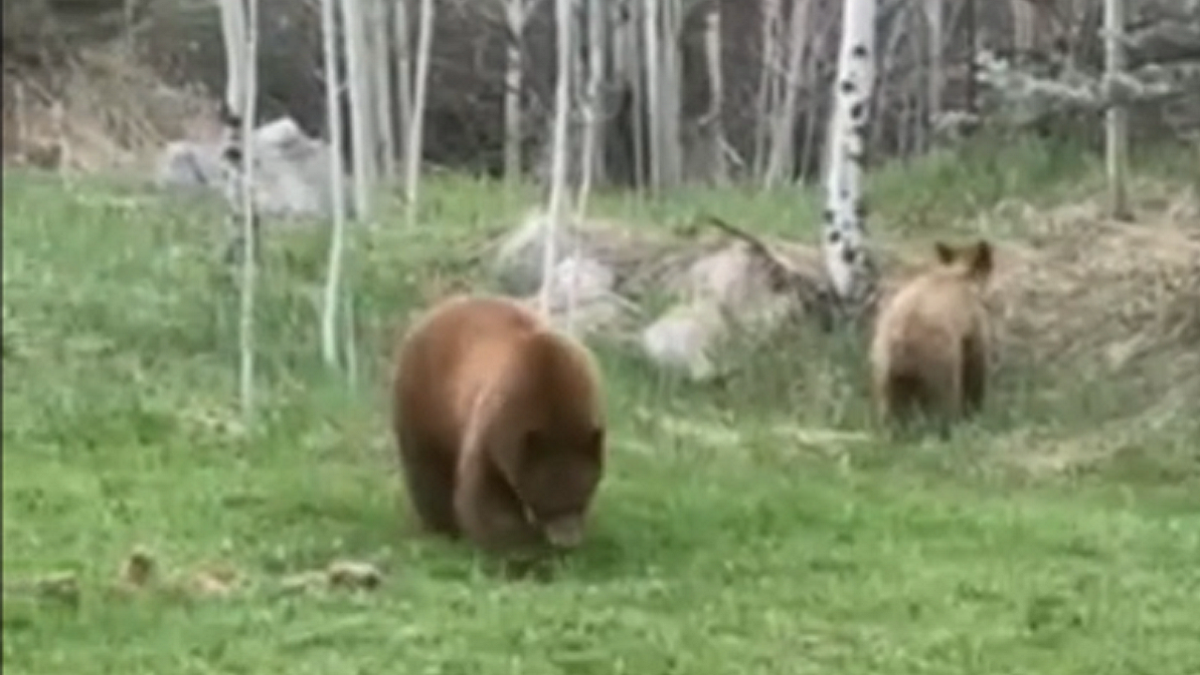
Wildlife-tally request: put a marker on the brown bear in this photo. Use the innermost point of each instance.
(500, 426)
(930, 345)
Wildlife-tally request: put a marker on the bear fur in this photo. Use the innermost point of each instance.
(930, 347)
(500, 426)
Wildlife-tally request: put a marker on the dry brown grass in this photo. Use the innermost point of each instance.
(1083, 292)
(1080, 282)
(1074, 283)
(102, 112)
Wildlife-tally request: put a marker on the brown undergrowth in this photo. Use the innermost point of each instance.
(1078, 294)
(98, 112)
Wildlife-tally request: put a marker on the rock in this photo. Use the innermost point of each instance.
(291, 177)
(582, 299)
(685, 339)
(578, 279)
(190, 166)
(518, 262)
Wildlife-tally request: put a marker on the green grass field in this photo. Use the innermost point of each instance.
(729, 536)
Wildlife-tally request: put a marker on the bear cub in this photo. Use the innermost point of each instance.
(930, 346)
(500, 426)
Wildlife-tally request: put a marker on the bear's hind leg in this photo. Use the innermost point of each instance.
(974, 375)
(901, 402)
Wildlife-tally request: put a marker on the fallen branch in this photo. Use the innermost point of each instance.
(814, 296)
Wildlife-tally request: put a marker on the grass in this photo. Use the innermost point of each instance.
(728, 539)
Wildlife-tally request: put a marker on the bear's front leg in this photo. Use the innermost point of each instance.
(491, 516)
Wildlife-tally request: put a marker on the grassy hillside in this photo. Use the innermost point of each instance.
(753, 529)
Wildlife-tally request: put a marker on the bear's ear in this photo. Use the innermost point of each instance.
(945, 252)
(980, 259)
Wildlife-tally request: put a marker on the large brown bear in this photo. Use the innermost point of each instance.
(500, 426)
(930, 346)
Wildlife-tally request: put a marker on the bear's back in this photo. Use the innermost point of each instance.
(936, 306)
(452, 352)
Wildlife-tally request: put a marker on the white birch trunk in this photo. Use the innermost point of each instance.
(596, 73)
(593, 74)
(933, 45)
(416, 129)
(233, 31)
(380, 64)
(333, 112)
(239, 21)
(652, 62)
(670, 24)
(402, 38)
(846, 256)
(1116, 121)
(361, 126)
(768, 77)
(514, 72)
(716, 100)
(629, 48)
(1023, 26)
(558, 159)
(783, 136)
(592, 128)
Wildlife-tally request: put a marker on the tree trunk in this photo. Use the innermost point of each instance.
(514, 13)
(671, 25)
(412, 168)
(402, 38)
(886, 64)
(812, 71)
(361, 126)
(783, 136)
(765, 102)
(558, 158)
(970, 20)
(1024, 26)
(713, 125)
(385, 123)
(850, 269)
(597, 74)
(652, 62)
(333, 112)
(934, 41)
(239, 21)
(631, 51)
(1116, 121)
(591, 161)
